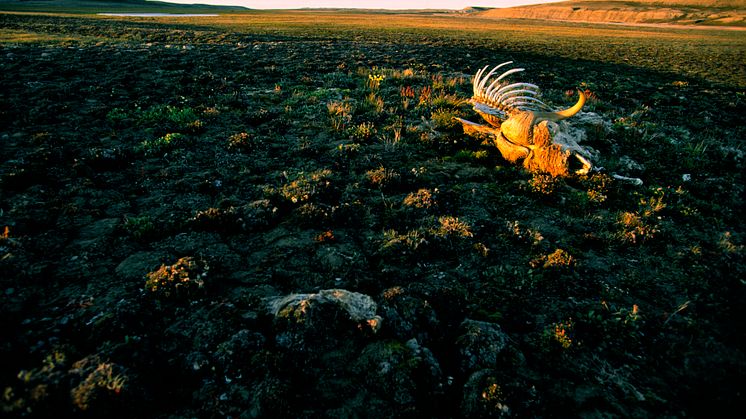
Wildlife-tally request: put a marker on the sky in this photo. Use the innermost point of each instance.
(365, 4)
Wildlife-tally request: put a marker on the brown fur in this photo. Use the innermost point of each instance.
(510, 151)
(542, 137)
(550, 160)
(518, 128)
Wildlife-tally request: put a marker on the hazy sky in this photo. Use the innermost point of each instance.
(367, 4)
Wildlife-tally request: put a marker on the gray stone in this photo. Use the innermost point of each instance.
(480, 344)
(360, 307)
(100, 229)
(138, 264)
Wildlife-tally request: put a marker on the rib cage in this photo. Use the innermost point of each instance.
(503, 98)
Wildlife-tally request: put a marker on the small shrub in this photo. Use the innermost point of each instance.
(423, 198)
(469, 155)
(481, 249)
(211, 112)
(543, 183)
(451, 226)
(653, 205)
(348, 150)
(446, 101)
(407, 92)
(160, 145)
(598, 187)
(340, 114)
(185, 278)
(305, 186)
(325, 237)
(558, 260)
(215, 219)
(139, 227)
(375, 102)
(635, 228)
(363, 131)
(170, 117)
(339, 108)
(32, 390)
(410, 241)
(437, 81)
(726, 244)
(117, 116)
(241, 141)
(424, 96)
(103, 380)
(524, 234)
(382, 177)
(443, 119)
(396, 133)
(492, 397)
(390, 143)
(643, 224)
(311, 215)
(561, 334)
(374, 81)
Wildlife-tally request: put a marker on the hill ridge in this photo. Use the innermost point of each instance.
(681, 12)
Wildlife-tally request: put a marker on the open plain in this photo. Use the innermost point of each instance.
(275, 214)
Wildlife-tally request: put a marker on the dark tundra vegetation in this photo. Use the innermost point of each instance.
(276, 215)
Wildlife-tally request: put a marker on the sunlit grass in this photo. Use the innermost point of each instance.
(11, 36)
(713, 54)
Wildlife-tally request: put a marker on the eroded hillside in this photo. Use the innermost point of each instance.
(724, 13)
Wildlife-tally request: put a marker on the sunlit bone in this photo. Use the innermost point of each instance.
(525, 128)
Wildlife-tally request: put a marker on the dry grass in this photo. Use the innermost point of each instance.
(8, 36)
(697, 49)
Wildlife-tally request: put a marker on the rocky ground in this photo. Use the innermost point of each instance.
(202, 223)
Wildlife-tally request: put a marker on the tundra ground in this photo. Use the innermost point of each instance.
(165, 183)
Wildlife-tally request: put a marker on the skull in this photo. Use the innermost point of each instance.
(525, 128)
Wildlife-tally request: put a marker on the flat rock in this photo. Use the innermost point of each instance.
(138, 264)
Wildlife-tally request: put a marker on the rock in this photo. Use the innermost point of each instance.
(400, 377)
(630, 166)
(138, 264)
(189, 243)
(408, 315)
(305, 320)
(100, 229)
(337, 259)
(221, 257)
(360, 307)
(237, 351)
(480, 344)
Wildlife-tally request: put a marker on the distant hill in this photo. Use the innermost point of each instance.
(698, 3)
(123, 6)
(683, 12)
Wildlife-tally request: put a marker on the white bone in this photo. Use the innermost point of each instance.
(484, 79)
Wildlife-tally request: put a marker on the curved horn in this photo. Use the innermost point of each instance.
(563, 114)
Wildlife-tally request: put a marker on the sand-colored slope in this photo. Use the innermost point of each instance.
(685, 12)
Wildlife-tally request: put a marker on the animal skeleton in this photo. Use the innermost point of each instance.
(525, 128)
